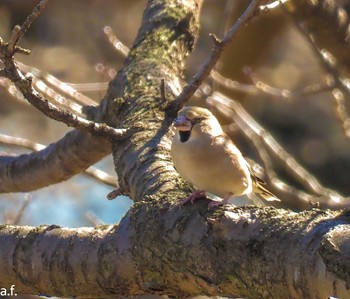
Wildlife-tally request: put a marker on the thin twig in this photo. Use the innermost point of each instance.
(340, 109)
(21, 142)
(285, 93)
(233, 85)
(13, 91)
(87, 87)
(101, 176)
(115, 41)
(19, 31)
(65, 88)
(340, 85)
(93, 172)
(272, 5)
(93, 218)
(162, 90)
(113, 194)
(229, 9)
(326, 58)
(24, 84)
(259, 86)
(106, 72)
(219, 46)
(45, 90)
(27, 200)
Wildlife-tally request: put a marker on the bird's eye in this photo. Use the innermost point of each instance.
(196, 119)
(190, 115)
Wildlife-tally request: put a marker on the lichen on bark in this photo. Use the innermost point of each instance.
(142, 161)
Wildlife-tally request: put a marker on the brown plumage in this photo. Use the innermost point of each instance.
(204, 155)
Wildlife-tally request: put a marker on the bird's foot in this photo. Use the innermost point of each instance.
(194, 196)
(219, 203)
(215, 203)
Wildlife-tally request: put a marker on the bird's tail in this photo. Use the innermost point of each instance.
(260, 189)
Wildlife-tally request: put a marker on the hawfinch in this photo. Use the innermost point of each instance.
(204, 155)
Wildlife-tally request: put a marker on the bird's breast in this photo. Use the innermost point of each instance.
(210, 167)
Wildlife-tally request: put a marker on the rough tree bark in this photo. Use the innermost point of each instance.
(56, 163)
(158, 247)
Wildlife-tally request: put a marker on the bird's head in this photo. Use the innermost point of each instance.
(194, 121)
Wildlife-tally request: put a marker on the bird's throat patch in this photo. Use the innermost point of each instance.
(184, 135)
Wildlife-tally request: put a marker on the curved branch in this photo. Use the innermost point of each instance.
(93, 172)
(230, 252)
(33, 97)
(56, 163)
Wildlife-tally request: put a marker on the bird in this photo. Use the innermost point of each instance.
(203, 154)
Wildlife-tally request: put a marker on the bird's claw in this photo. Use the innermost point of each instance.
(194, 196)
(214, 204)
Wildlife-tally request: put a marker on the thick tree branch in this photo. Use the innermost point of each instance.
(182, 252)
(93, 172)
(56, 163)
(167, 35)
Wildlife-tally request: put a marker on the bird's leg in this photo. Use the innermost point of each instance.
(213, 203)
(194, 196)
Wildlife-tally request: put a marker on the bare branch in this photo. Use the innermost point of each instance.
(106, 72)
(327, 59)
(285, 93)
(101, 176)
(116, 259)
(19, 31)
(41, 79)
(326, 24)
(113, 194)
(24, 84)
(259, 86)
(17, 218)
(340, 109)
(93, 172)
(272, 5)
(93, 218)
(55, 163)
(115, 41)
(229, 9)
(94, 86)
(233, 85)
(217, 50)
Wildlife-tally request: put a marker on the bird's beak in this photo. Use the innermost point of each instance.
(182, 123)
